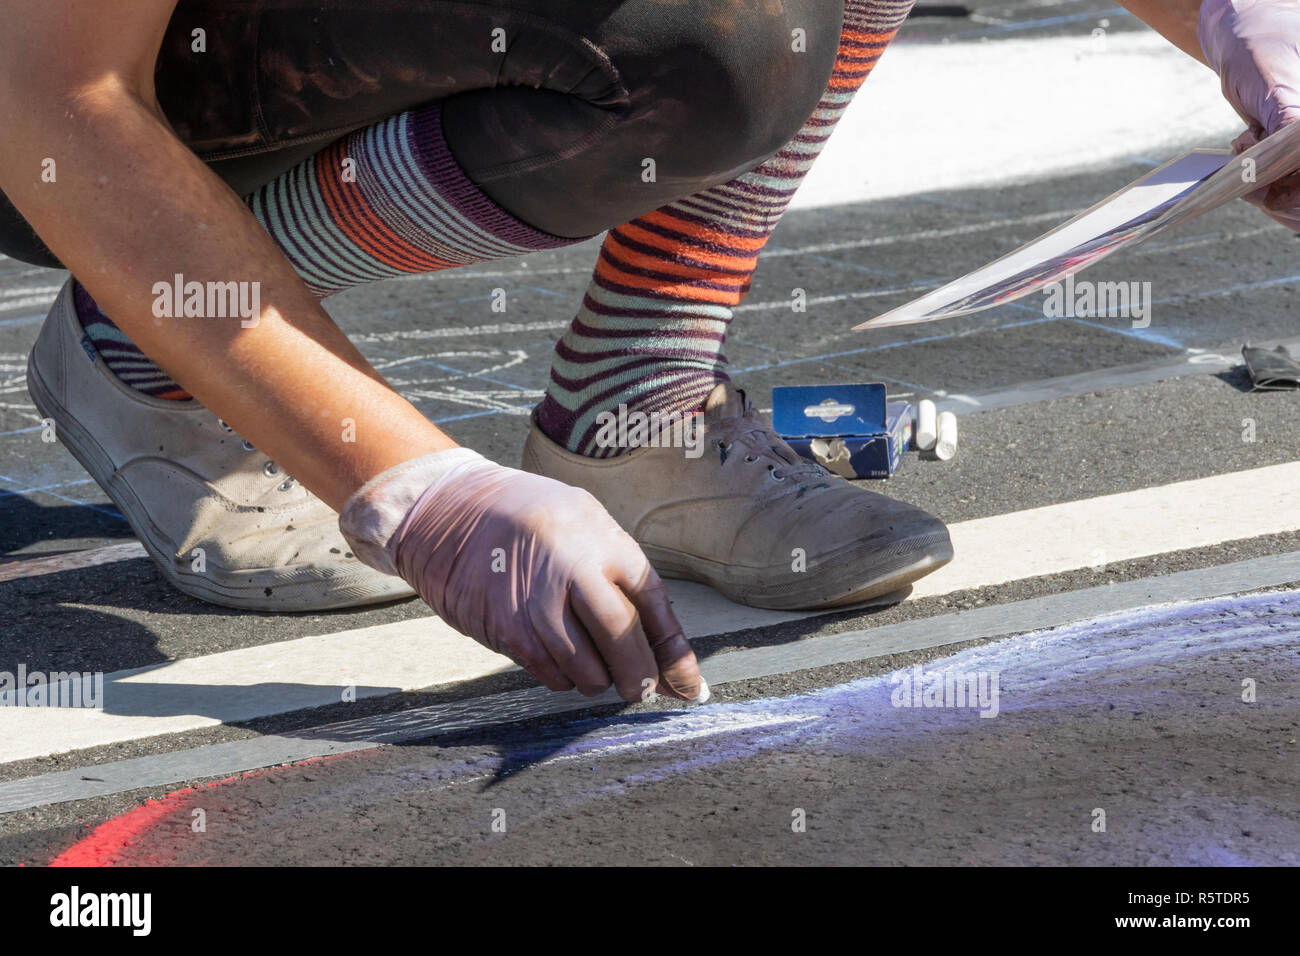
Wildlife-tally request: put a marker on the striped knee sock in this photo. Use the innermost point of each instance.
(411, 209)
(128, 363)
(650, 331)
(385, 201)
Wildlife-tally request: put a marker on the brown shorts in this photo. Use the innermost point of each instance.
(584, 91)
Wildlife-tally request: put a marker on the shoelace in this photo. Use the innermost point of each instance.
(760, 440)
(271, 469)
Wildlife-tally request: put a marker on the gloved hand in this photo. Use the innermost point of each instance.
(1254, 46)
(531, 568)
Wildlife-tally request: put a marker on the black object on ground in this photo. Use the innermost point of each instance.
(1271, 368)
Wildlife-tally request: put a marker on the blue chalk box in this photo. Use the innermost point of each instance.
(853, 430)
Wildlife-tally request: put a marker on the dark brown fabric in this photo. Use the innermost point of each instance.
(555, 130)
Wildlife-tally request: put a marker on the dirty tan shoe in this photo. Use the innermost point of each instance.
(751, 518)
(222, 522)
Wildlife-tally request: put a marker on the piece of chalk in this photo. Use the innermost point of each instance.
(927, 432)
(946, 445)
(704, 693)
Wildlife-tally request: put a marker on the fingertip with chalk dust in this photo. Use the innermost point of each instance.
(703, 696)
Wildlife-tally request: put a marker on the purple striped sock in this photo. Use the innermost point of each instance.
(384, 201)
(120, 354)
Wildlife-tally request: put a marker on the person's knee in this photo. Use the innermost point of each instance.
(737, 79)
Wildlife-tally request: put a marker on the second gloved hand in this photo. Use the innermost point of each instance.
(532, 568)
(1254, 46)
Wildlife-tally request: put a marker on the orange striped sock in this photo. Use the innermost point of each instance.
(651, 329)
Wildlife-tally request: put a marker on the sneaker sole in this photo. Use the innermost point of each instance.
(777, 588)
(245, 590)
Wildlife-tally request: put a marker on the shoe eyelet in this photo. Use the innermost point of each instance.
(224, 426)
(773, 474)
(751, 458)
(247, 445)
(270, 469)
(287, 484)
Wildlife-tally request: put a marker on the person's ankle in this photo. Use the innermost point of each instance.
(615, 426)
(131, 366)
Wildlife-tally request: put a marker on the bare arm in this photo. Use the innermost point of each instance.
(1175, 20)
(131, 206)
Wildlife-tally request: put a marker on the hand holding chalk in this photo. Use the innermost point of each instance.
(529, 567)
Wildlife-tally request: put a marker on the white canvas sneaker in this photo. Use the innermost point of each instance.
(224, 523)
(751, 518)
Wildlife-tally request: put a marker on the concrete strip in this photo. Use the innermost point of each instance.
(1119, 527)
(247, 683)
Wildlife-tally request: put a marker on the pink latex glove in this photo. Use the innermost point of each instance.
(529, 567)
(1254, 46)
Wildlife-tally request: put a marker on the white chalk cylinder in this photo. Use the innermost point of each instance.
(927, 431)
(946, 444)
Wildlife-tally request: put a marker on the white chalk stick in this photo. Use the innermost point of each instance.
(704, 694)
(946, 444)
(927, 432)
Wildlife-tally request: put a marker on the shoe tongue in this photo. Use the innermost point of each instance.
(725, 401)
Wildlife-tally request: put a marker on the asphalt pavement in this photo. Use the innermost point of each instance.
(1122, 735)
